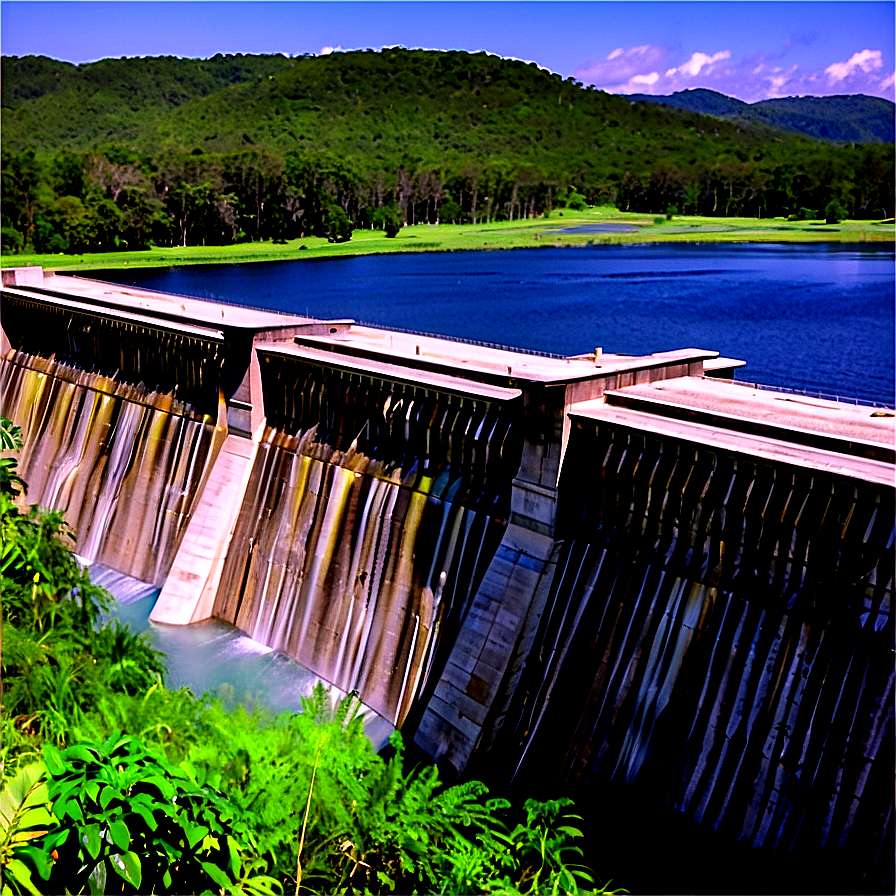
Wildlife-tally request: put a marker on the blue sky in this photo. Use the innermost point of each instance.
(749, 50)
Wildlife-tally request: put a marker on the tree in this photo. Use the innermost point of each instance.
(576, 201)
(834, 212)
(12, 240)
(26, 196)
(450, 212)
(337, 226)
(389, 219)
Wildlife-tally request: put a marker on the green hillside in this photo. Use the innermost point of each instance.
(840, 119)
(853, 119)
(383, 106)
(166, 151)
(55, 105)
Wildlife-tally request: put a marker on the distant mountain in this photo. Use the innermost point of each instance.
(841, 119)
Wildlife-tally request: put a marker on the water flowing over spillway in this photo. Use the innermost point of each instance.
(355, 559)
(719, 632)
(124, 464)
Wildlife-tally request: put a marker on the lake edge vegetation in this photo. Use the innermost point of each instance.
(484, 237)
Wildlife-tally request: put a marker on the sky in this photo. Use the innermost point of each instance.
(749, 50)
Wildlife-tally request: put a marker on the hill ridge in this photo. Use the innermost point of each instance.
(840, 118)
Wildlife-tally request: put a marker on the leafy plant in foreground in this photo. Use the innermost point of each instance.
(128, 815)
(25, 817)
(58, 661)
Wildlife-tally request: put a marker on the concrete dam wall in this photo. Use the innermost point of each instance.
(372, 510)
(603, 571)
(719, 632)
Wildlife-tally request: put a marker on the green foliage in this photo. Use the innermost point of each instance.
(25, 818)
(11, 484)
(575, 201)
(337, 226)
(124, 812)
(450, 213)
(842, 119)
(11, 240)
(372, 827)
(834, 212)
(389, 219)
(56, 663)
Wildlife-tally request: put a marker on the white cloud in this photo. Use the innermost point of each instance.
(697, 62)
(649, 69)
(621, 65)
(634, 69)
(866, 61)
(325, 51)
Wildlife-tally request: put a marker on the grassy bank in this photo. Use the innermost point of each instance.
(553, 231)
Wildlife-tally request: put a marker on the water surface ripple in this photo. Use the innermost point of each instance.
(815, 317)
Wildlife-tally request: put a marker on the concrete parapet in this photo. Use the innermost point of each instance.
(31, 276)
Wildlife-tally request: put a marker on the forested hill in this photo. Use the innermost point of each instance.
(57, 105)
(386, 106)
(841, 119)
(165, 150)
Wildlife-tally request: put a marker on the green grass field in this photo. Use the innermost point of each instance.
(500, 235)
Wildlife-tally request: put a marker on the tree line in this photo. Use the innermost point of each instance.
(119, 198)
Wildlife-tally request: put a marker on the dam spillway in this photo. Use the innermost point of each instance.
(612, 571)
(372, 500)
(122, 463)
(720, 621)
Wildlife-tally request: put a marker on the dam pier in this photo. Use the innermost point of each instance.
(599, 573)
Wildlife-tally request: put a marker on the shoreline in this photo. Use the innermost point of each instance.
(561, 229)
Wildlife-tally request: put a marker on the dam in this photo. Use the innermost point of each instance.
(591, 573)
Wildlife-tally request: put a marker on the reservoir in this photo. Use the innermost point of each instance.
(808, 317)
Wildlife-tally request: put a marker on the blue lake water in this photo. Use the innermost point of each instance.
(814, 317)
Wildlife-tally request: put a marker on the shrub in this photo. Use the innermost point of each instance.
(11, 240)
(450, 212)
(834, 212)
(57, 661)
(389, 219)
(24, 820)
(576, 201)
(337, 226)
(123, 813)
